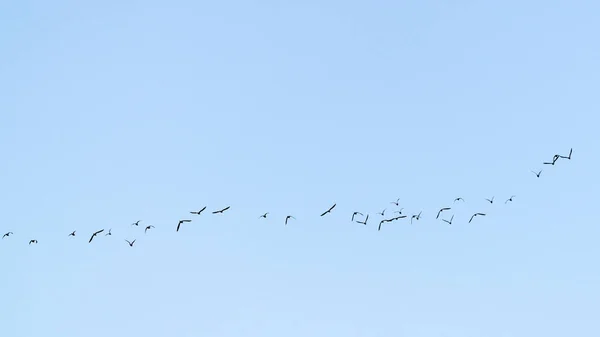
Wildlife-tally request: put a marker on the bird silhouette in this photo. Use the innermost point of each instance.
(396, 202)
(7, 234)
(510, 199)
(131, 243)
(365, 221)
(33, 241)
(329, 210)
(221, 210)
(354, 214)
(109, 233)
(137, 223)
(399, 211)
(287, 218)
(554, 159)
(459, 198)
(72, 233)
(264, 215)
(537, 174)
(474, 215)
(491, 201)
(569, 156)
(449, 222)
(441, 210)
(200, 211)
(180, 222)
(382, 213)
(416, 216)
(147, 228)
(94, 235)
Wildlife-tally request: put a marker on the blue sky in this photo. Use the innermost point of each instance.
(113, 112)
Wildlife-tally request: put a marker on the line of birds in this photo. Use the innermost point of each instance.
(400, 215)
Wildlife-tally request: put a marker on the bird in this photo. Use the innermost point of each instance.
(449, 222)
(109, 233)
(200, 211)
(537, 174)
(459, 198)
(288, 217)
(569, 156)
(441, 210)
(510, 199)
(147, 228)
(399, 211)
(32, 241)
(130, 243)
(491, 201)
(72, 233)
(221, 210)
(416, 216)
(329, 210)
(382, 213)
(354, 214)
(95, 233)
(395, 202)
(136, 223)
(364, 222)
(381, 223)
(7, 234)
(474, 215)
(180, 222)
(554, 159)
(264, 215)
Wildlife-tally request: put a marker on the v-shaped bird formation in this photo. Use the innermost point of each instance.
(414, 217)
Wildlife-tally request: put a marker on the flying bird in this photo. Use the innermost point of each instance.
(491, 201)
(354, 214)
(288, 217)
(32, 241)
(416, 216)
(474, 215)
(221, 210)
(382, 213)
(510, 199)
(449, 222)
(554, 159)
(441, 210)
(109, 233)
(94, 235)
(147, 228)
(395, 202)
(569, 156)
(200, 211)
(136, 223)
(7, 234)
(537, 174)
(399, 211)
(364, 222)
(329, 210)
(130, 243)
(180, 222)
(72, 233)
(459, 198)
(264, 215)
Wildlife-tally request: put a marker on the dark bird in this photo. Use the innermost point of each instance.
(364, 222)
(221, 210)
(329, 210)
(554, 159)
(474, 215)
(441, 210)
(288, 217)
(180, 222)
(569, 156)
(147, 228)
(200, 211)
(72, 233)
(32, 241)
(130, 243)
(354, 214)
(510, 199)
(7, 234)
(491, 201)
(136, 223)
(396, 202)
(381, 223)
(399, 211)
(94, 235)
(537, 174)
(382, 213)
(416, 216)
(109, 233)
(264, 215)
(449, 222)
(459, 198)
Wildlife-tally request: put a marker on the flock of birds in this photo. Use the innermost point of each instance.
(400, 215)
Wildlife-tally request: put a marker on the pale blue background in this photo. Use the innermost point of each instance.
(112, 112)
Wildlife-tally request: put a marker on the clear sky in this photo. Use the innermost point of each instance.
(118, 111)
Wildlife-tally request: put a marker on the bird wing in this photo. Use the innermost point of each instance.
(91, 238)
(178, 225)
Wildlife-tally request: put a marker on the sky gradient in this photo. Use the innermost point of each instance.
(113, 112)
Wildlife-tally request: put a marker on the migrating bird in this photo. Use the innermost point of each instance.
(221, 210)
(264, 215)
(449, 222)
(329, 210)
(200, 211)
(354, 214)
(136, 223)
(130, 243)
(7, 234)
(382, 213)
(459, 198)
(94, 235)
(395, 202)
(147, 228)
(109, 233)
(400, 211)
(569, 156)
(180, 222)
(537, 174)
(364, 222)
(289, 217)
(491, 201)
(416, 216)
(554, 159)
(32, 241)
(72, 233)
(441, 210)
(474, 215)
(510, 199)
